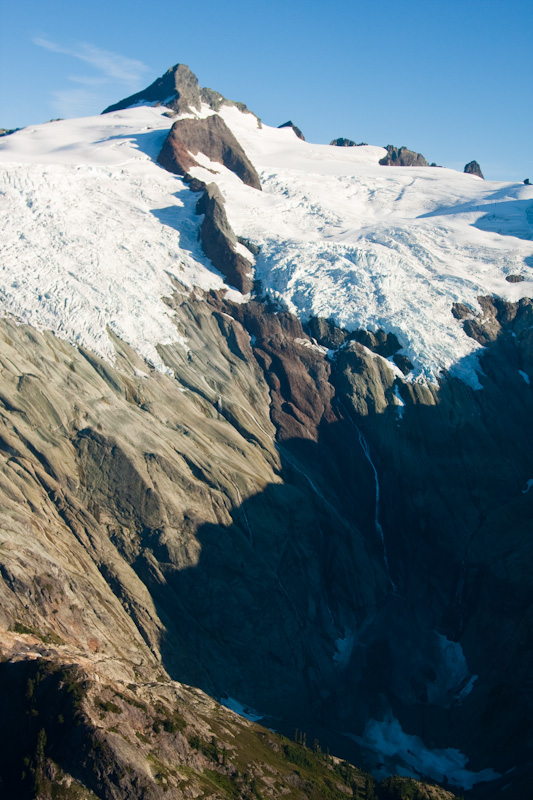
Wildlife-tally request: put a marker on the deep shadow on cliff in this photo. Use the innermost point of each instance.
(322, 609)
(227, 522)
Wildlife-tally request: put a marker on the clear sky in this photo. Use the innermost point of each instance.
(452, 79)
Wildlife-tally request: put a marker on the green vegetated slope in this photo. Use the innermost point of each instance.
(79, 729)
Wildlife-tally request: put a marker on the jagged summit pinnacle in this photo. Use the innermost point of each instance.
(179, 90)
(473, 168)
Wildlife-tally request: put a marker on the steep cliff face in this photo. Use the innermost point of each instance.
(274, 508)
(270, 525)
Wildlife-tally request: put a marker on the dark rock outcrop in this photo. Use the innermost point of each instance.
(403, 363)
(296, 130)
(326, 333)
(331, 336)
(219, 241)
(215, 101)
(497, 316)
(514, 278)
(296, 372)
(212, 137)
(473, 168)
(402, 157)
(179, 90)
(346, 143)
(461, 311)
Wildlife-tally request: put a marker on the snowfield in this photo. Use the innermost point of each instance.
(94, 231)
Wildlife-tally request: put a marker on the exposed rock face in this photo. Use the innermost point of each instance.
(215, 101)
(402, 157)
(219, 243)
(271, 525)
(296, 130)
(497, 316)
(344, 551)
(212, 137)
(473, 168)
(179, 90)
(329, 335)
(346, 143)
(99, 728)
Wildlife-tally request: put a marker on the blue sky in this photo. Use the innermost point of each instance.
(451, 79)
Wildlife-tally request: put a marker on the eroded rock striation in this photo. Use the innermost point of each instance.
(269, 524)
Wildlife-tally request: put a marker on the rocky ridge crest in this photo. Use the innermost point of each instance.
(179, 90)
(402, 157)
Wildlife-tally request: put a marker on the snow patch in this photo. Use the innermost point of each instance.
(453, 681)
(410, 755)
(312, 346)
(465, 691)
(400, 405)
(239, 708)
(344, 647)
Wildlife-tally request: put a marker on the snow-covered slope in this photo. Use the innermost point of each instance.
(94, 228)
(373, 246)
(94, 231)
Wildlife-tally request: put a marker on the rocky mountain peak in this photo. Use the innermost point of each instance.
(179, 90)
(271, 494)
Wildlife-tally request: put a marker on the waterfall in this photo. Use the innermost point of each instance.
(377, 524)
